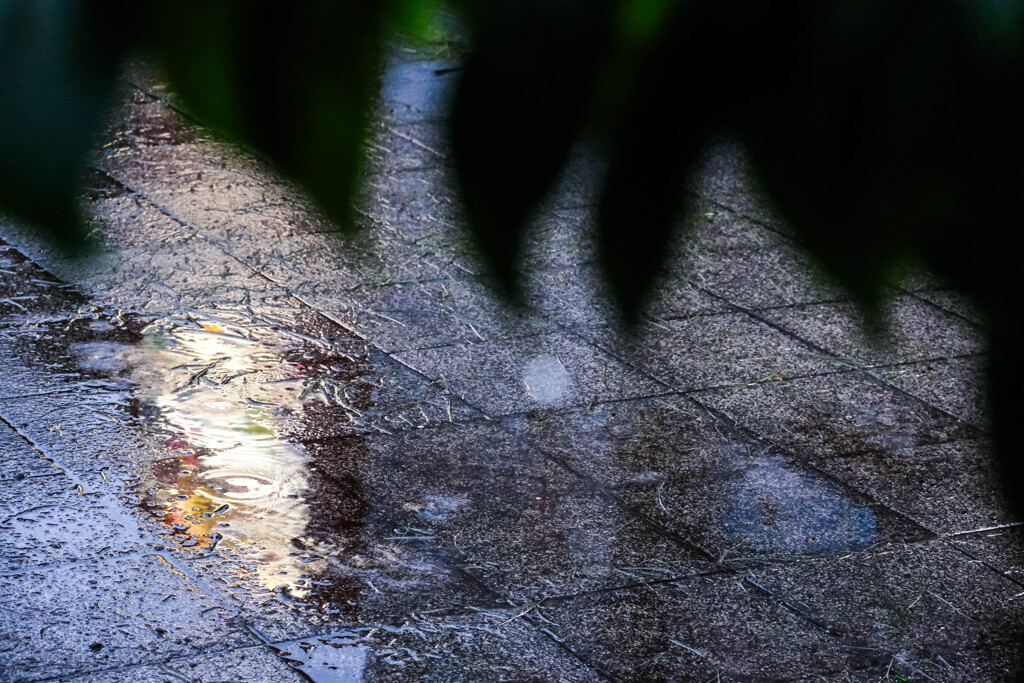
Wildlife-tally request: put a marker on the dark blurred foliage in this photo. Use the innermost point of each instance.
(55, 80)
(293, 80)
(522, 101)
(885, 132)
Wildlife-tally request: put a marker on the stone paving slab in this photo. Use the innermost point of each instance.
(953, 302)
(416, 90)
(835, 414)
(547, 370)
(559, 239)
(732, 496)
(312, 546)
(715, 230)
(950, 487)
(131, 220)
(416, 206)
(401, 146)
(375, 581)
(721, 350)
(41, 358)
(952, 607)
(725, 177)
(200, 169)
(20, 460)
(41, 518)
(443, 312)
(780, 276)
(995, 662)
(572, 296)
(489, 645)
(197, 267)
(999, 548)
(956, 385)
(316, 378)
(87, 433)
(28, 289)
(674, 300)
(918, 332)
(244, 664)
(102, 613)
(382, 396)
(694, 629)
(518, 522)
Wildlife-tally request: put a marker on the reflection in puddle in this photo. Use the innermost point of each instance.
(712, 484)
(323, 660)
(546, 379)
(775, 508)
(219, 389)
(261, 459)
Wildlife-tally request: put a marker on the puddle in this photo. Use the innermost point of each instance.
(236, 435)
(225, 392)
(710, 484)
(778, 509)
(327, 660)
(230, 395)
(547, 381)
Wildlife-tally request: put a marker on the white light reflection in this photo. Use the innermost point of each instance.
(547, 381)
(231, 474)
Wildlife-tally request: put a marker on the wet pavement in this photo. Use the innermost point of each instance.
(235, 447)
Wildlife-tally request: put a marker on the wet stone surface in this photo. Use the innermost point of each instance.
(442, 312)
(832, 415)
(40, 358)
(734, 497)
(42, 519)
(929, 620)
(918, 332)
(518, 522)
(26, 290)
(956, 385)
(726, 349)
(254, 663)
(571, 296)
(726, 178)
(489, 644)
(947, 488)
(999, 548)
(368, 575)
(551, 370)
(954, 303)
(89, 433)
(696, 629)
(237, 447)
(780, 276)
(20, 459)
(103, 613)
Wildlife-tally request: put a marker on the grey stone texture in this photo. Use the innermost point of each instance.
(234, 446)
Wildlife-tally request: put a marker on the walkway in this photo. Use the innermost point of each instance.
(236, 448)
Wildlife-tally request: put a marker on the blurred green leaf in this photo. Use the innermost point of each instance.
(655, 145)
(59, 64)
(882, 131)
(294, 81)
(518, 110)
(420, 21)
